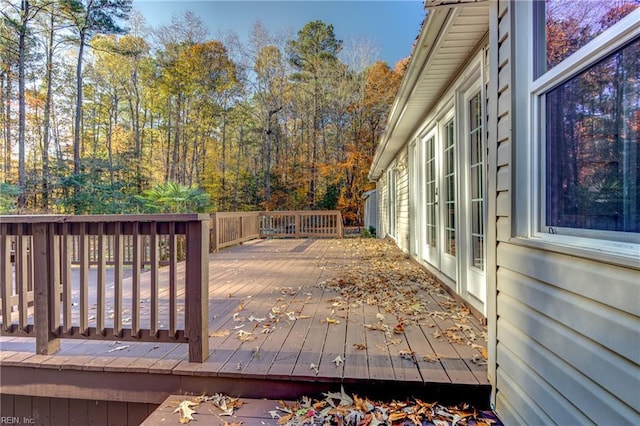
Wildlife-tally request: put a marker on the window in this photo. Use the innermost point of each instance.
(476, 164)
(586, 91)
(592, 146)
(431, 191)
(450, 188)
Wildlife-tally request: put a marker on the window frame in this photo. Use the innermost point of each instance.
(529, 125)
(392, 203)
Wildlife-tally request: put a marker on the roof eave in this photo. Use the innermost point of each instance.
(385, 152)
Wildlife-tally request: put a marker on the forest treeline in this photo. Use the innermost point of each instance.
(98, 110)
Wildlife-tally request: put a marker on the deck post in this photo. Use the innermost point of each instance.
(45, 286)
(297, 223)
(197, 289)
(5, 275)
(214, 233)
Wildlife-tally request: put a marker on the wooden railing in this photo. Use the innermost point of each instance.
(301, 224)
(39, 297)
(230, 228)
(65, 276)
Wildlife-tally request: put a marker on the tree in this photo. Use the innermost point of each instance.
(315, 48)
(19, 20)
(90, 17)
(8, 62)
(172, 197)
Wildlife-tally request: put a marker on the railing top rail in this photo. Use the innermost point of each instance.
(308, 212)
(185, 217)
(236, 214)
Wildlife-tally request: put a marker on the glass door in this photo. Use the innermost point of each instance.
(474, 240)
(430, 217)
(448, 206)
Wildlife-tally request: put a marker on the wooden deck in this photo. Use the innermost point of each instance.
(278, 329)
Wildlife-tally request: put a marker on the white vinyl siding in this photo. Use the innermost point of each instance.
(402, 202)
(567, 327)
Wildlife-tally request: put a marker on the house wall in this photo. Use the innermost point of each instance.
(383, 196)
(403, 228)
(371, 210)
(566, 326)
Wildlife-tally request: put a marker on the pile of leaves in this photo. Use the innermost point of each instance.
(188, 407)
(383, 276)
(338, 408)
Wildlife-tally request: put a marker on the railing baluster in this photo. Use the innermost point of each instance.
(153, 260)
(83, 248)
(101, 279)
(118, 260)
(173, 306)
(6, 280)
(66, 257)
(21, 276)
(135, 281)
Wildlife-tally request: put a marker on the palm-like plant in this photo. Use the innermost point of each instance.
(172, 197)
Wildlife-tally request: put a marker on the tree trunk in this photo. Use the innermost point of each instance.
(237, 174)
(7, 127)
(22, 110)
(78, 118)
(47, 119)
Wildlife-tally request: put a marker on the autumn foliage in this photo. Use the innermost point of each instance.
(275, 122)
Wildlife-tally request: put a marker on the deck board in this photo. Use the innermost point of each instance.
(286, 275)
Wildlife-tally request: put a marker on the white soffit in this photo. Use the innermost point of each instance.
(449, 35)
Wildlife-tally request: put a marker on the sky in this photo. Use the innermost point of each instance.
(390, 25)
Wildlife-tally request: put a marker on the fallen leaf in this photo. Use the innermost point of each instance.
(258, 320)
(274, 414)
(332, 321)
(246, 336)
(220, 333)
(407, 354)
(185, 412)
(119, 348)
(314, 368)
(431, 357)
(338, 360)
(360, 346)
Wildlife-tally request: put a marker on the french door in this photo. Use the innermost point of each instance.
(449, 199)
(439, 177)
(449, 181)
(430, 216)
(473, 259)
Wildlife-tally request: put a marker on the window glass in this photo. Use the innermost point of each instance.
(450, 189)
(593, 146)
(430, 187)
(477, 181)
(570, 24)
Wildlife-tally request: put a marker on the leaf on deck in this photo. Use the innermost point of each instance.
(185, 412)
(246, 336)
(118, 348)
